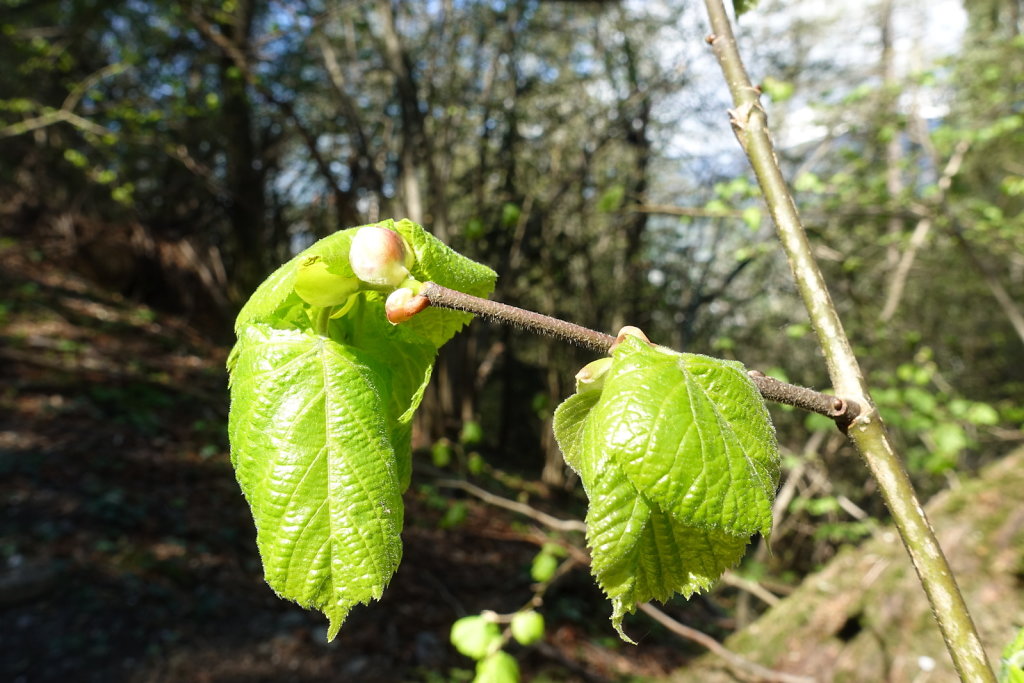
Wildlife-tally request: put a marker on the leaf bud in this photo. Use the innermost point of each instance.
(403, 304)
(379, 256)
(629, 331)
(591, 376)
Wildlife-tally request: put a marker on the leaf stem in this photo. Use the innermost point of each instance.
(321, 320)
(868, 433)
(843, 411)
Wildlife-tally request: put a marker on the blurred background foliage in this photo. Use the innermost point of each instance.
(176, 152)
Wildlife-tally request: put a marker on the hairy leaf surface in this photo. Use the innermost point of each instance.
(693, 434)
(322, 401)
(677, 476)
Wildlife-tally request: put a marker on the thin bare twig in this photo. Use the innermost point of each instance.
(733, 660)
(514, 506)
(752, 587)
(920, 235)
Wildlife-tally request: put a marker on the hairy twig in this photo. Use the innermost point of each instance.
(867, 432)
(535, 322)
(843, 411)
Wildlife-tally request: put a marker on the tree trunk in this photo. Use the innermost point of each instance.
(244, 182)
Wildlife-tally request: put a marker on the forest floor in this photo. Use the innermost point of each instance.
(127, 552)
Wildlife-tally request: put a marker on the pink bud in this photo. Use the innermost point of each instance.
(379, 256)
(402, 304)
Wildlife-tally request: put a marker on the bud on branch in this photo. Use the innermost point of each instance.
(380, 257)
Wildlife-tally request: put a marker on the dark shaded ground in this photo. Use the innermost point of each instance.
(127, 552)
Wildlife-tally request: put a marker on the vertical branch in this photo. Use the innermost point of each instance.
(867, 432)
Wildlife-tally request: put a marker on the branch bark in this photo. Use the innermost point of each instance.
(867, 432)
(844, 411)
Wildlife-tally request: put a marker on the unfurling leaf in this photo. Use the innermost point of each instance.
(501, 667)
(527, 627)
(475, 636)
(323, 390)
(678, 457)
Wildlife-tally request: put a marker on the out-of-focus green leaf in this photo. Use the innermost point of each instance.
(475, 636)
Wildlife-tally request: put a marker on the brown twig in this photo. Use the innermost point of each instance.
(535, 322)
(843, 411)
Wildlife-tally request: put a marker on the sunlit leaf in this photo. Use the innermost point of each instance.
(323, 391)
(678, 458)
(313, 454)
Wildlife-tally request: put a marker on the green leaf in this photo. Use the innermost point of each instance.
(1012, 669)
(778, 91)
(276, 302)
(752, 217)
(441, 453)
(323, 392)
(678, 458)
(543, 567)
(316, 284)
(982, 414)
(312, 453)
(693, 434)
(472, 433)
(741, 7)
(475, 636)
(527, 627)
(568, 422)
(510, 214)
(612, 198)
(500, 667)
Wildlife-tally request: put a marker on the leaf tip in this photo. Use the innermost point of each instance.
(334, 625)
(619, 611)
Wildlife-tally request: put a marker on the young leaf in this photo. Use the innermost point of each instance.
(500, 667)
(527, 627)
(323, 391)
(313, 455)
(475, 636)
(1012, 663)
(568, 422)
(693, 434)
(679, 461)
(543, 567)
